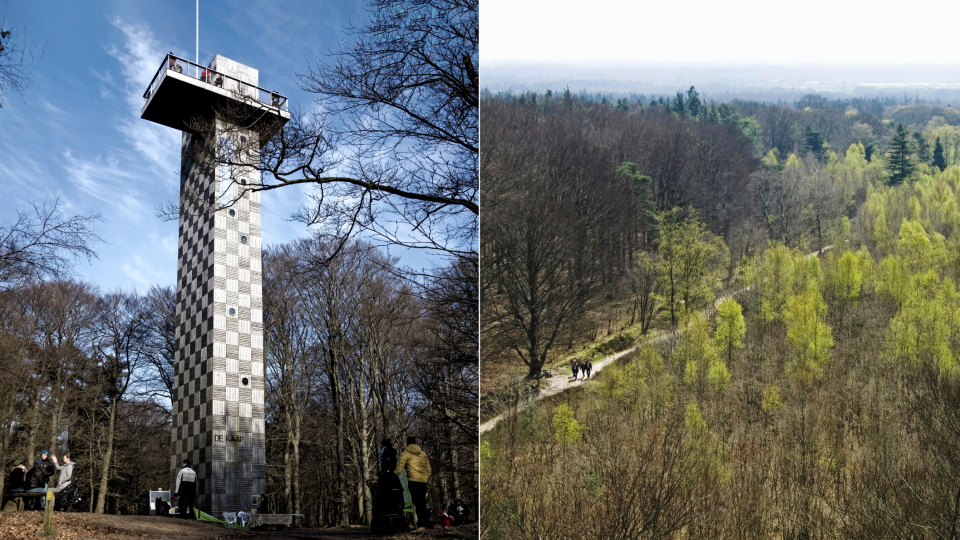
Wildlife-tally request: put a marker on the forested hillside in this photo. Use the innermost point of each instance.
(821, 398)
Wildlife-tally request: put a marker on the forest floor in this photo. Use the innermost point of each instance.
(83, 526)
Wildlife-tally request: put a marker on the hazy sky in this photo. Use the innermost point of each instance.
(701, 31)
(77, 133)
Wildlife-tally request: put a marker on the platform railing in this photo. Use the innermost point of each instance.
(214, 78)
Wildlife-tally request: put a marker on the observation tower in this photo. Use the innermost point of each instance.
(218, 399)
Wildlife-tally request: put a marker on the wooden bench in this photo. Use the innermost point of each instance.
(17, 499)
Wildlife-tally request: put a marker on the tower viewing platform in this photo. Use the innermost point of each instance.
(182, 91)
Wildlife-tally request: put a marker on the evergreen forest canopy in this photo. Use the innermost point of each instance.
(788, 273)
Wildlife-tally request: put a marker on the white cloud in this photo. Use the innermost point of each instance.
(106, 180)
(140, 57)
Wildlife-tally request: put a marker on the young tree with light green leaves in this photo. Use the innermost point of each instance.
(730, 328)
(695, 351)
(566, 429)
(926, 325)
(808, 333)
(691, 256)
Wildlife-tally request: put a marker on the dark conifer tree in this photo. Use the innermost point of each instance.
(814, 143)
(900, 163)
(694, 105)
(923, 147)
(678, 105)
(938, 160)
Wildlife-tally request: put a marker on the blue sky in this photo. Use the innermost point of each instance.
(76, 132)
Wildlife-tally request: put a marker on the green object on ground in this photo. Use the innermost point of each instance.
(407, 500)
(203, 516)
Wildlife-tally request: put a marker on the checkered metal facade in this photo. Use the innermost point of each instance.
(218, 420)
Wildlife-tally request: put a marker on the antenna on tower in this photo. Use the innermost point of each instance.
(197, 61)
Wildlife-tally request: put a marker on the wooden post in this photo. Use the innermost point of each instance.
(48, 516)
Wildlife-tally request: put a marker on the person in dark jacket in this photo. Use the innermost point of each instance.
(49, 469)
(36, 483)
(17, 476)
(388, 455)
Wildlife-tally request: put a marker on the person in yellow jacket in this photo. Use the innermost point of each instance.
(418, 474)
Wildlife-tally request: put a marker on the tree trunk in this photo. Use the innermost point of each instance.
(105, 472)
(344, 518)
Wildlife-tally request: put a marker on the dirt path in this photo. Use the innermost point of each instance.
(84, 526)
(558, 383)
(555, 385)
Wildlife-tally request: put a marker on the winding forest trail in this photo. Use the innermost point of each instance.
(557, 384)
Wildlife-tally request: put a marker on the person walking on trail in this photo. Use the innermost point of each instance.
(575, 367)
(186, 490)
(588, 367)
(418, 474)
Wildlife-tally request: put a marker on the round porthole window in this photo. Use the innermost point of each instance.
(243, 181)
(246, 381)
(233, 212)
(243, 239)
(232, 311)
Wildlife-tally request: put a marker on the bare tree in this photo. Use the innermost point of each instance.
(44, 243)
(122, 327)
(399, 159)
(16, 56)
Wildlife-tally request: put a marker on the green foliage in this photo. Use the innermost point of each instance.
(775, 280)
(808, 333)
(894, 278)
(814, 143)
(718, 375)
(924, 329)
(771, 399)
(918, 249)
(706, 448)
(900, 160)
(848, 279)
(730, 327)
(752, 130)
(566, 429)
(691, 259)
(694, 105)
(643, 191)
(695, 348)
(922, 146)
(693, 420)
(938, 160)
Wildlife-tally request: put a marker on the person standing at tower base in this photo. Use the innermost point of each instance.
(418, 474)
(186, 490)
